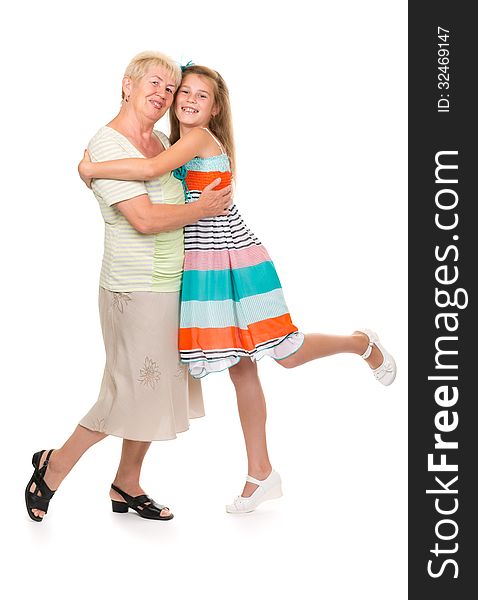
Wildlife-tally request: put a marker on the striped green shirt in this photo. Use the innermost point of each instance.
(133, 261)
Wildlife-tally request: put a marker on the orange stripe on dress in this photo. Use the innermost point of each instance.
(191, 338)
(198, 180)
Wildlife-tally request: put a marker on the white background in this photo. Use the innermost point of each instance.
(318, 95)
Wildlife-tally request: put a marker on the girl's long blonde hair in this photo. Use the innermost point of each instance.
(221, 124)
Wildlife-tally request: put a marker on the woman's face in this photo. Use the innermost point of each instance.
(194, 104)
(153, 94)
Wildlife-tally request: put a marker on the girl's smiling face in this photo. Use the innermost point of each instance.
(195, 105)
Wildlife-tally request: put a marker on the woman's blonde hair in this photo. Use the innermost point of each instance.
(142, 62)
(221, 124)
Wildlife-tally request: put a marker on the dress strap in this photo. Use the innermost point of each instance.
(215, 139)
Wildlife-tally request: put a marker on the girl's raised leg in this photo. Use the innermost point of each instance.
(318, 345)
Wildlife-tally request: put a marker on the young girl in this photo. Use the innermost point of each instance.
(232, 305)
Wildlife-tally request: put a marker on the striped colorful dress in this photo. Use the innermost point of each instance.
(232, 303)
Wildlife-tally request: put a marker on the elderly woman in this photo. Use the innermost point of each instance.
(146, 393)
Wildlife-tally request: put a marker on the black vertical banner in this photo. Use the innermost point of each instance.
(443, 259)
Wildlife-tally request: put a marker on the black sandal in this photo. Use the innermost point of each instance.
(32, 499)
(145, 506)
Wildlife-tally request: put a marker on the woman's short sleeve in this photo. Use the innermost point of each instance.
(105, 145)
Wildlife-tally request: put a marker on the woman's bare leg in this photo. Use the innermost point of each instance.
(318, 345)
(65, 458)
(129, 471)
(252, 412)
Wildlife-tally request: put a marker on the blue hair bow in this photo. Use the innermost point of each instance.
(189, 64)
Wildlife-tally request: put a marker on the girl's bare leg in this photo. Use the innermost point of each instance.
(65, 458)
(129, 471)
(318, 345)
(252, 412)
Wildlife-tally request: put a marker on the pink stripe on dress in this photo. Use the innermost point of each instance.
(204, 260)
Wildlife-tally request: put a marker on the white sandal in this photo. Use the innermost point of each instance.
(269, 489)
(387, 371)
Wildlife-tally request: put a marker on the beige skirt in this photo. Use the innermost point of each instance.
(146, 393)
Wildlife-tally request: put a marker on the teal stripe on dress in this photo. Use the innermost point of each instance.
(220, 162)
(223, 285)
(227, 313)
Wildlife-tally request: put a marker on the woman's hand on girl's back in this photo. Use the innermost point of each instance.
(215, 203)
